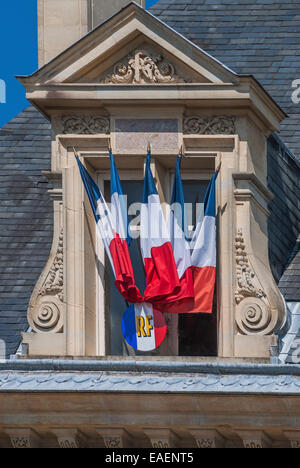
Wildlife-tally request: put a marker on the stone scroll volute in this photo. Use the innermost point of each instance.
(259, 306)
(45, 312)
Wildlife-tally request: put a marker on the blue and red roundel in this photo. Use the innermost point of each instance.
(143, 327)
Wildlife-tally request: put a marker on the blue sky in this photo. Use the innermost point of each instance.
(149, 3)
(18, 56)
(18, 53)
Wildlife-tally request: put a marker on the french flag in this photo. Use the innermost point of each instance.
(179, 303)
(196, 263)
(161, 273)
(204, 253)
(113, 230)
(143, 327)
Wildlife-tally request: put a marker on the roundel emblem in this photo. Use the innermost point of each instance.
(144, 328)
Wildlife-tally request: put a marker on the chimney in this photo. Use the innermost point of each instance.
(63, 22)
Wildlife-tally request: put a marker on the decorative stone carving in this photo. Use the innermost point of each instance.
(294, 438)
(244, 272)
(55, 279)
(142, 67)
(253, 314)
(209, 125)
(254, 439)
(113, 442)
(23, 438)
(85, 124)
(207, 438)
(115, 437)
(69, 438)
(45, 314)
(162, 438)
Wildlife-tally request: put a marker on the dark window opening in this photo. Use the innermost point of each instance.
(197, 333)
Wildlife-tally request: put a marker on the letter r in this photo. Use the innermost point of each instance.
(140, 326)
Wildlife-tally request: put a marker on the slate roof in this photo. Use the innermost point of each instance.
(284, 222)
(26, 220)
(290, 281)
(259, 37)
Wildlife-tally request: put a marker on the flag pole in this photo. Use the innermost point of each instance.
(110, 150)
(75, 153)
(219, 166)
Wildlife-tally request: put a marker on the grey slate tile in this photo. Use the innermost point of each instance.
(257, 37)
(25, 218)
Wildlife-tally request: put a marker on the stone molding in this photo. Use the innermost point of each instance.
(209, 125)
(250, 188)
(277, 383)
(142, 67)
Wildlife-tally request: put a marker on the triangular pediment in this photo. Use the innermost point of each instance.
(133, 47)
(141, 62)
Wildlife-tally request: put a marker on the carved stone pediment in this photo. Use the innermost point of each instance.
(143, 67)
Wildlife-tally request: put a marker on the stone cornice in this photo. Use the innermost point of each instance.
(249, 187)
(141, 377)
(160, 366)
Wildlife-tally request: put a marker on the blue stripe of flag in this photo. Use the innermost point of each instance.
(178, 194)
(149, 184)
(92, 189)
(129, 327)
(116, 187)
(210, 197)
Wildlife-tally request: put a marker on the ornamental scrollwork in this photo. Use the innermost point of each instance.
(244, 273)
(209, 125)
(85, 124)
(253, 314)
(142, 67)
(54, 282)
(206, 443)
(20, 442)
(113, 442)
(45, 314)
(160, 444)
